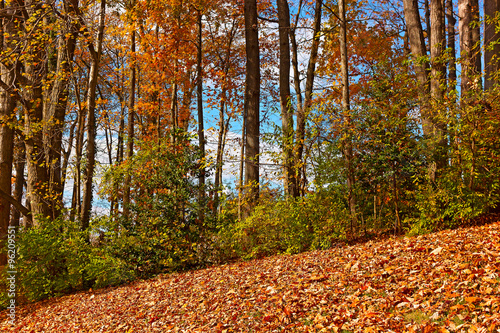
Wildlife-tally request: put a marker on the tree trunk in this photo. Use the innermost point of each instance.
(302, 112)
(252, 100)
(19, 162)
(201, 130)
(347, 142)
(492, 66)
(438, 75)
(55, 111)
(452, 71)
(80, 129)
(91, 125)
(7, 118)
(285, 101)
(418, 50)
(468, 13)
(130, 129)
(219, 155)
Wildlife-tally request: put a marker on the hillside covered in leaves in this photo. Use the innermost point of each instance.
(443, 282)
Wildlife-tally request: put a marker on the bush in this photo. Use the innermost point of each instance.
(163, 229)
(55, 257)
(287, 226)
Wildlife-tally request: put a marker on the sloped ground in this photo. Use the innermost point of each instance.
(443, 282)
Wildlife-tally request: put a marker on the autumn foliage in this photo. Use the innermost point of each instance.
(148, 137)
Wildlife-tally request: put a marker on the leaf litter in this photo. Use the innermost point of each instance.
(443, 282)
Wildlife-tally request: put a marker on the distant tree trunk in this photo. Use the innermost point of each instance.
(219, 154)
(201, 130)
(91, 125)
(130, 128)
(452, 71)
(242, 164)
(252, 100)
(491, 63)
(67, 153)
(80, 129)
(295, 61)
(303, 111)
(285, 100)
(347, 148)
(173, 112)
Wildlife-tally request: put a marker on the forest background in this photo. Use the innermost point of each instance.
(380, 115)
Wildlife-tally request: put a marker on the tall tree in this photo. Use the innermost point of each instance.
(252, 101)
(303, 105)
(95, 52)
(437, 80)
(131, 115)
(347, 145)
(285, 101)
(35, 74)
(451, 21)
(491, 37)
(55, 107)
(7, 118)
(470, 51)
(419, 52)
(199, 101)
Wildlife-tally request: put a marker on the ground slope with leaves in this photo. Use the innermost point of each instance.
(447, 281)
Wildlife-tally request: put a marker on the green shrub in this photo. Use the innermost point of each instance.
(287, 226)
(55, 257)
(163, 229)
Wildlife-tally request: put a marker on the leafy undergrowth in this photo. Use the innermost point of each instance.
(443, 282)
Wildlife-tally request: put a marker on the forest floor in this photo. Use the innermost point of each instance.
(442, 282)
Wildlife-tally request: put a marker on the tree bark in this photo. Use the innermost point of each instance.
(452, 71)
(285, 100)
(201, 130)
(55, 109)
(20, 163)
(492, 66)
(347, 142)
(418, 50)
(91, 125)
(252, 107)
(468, 13)
(438, 76)
(7, 119)
(130, 126)
(303, 112)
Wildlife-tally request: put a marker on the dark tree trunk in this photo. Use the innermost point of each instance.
(347, 142)
(285, 101)
(130, 128)
(452, 71)
(252, 100)
(20, 163)
(7, 118)
(438, 76)
(418, 50)
(91, 125)
(492, 66)
(201, 130)
(55, 111)
(468, 26)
